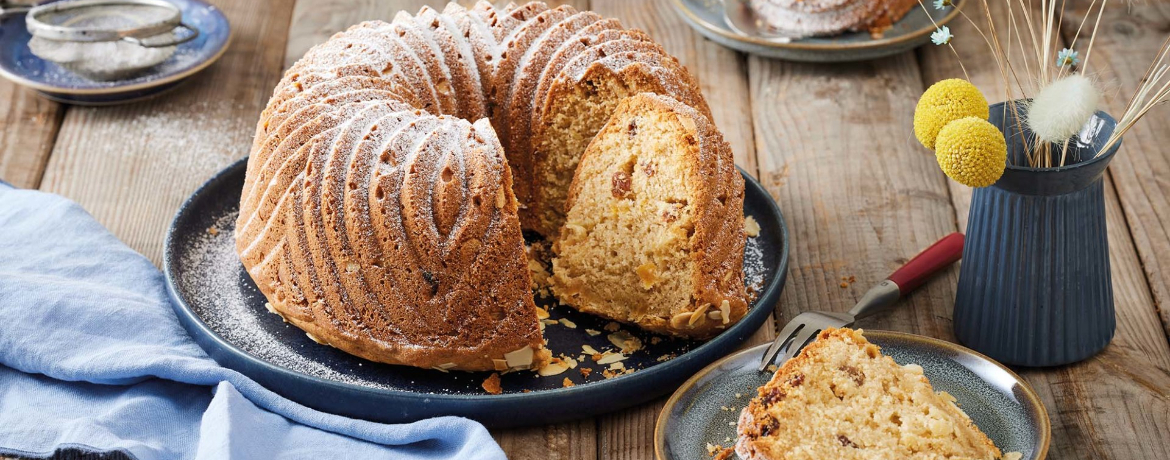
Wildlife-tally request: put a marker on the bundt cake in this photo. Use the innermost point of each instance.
(655, 234)
(841, 398)
(806, 18)
(396, 164)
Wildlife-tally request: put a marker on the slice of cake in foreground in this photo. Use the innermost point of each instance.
(654, 233)
(840, 398)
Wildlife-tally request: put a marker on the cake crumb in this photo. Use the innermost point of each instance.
(751, 227)
(566, 383)
(613, 326)
(585, 371)
(212, 230)
(492, 384)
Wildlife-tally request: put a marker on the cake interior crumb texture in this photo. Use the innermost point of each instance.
(840, 398)
(654, 232)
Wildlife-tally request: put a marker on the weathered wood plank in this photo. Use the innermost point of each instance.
(1103, 407)
(722, 74)
(28, 129)
(133, 165)
(1128, 40)
(860, 195)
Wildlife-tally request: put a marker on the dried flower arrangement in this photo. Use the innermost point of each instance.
(1053, 96)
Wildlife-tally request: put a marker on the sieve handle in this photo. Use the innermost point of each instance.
(177, 41)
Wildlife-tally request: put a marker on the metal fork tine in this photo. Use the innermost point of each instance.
(789, 330)
(806, 335)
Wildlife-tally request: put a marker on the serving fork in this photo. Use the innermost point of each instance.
(804, 327)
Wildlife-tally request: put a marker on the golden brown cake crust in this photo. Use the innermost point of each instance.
(843, 374)
(379, 213)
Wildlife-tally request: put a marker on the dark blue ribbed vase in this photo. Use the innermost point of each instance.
(1035, 287)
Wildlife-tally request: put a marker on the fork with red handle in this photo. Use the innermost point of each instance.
(804, 327)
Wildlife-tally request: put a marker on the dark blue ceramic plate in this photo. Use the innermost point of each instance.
(705, 408)
(19, 64)
(221, 308)
(912, 31)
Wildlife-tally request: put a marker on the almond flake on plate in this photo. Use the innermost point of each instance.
(611, 357)
(625, 341)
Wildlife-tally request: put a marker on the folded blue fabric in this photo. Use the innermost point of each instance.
(93, 358)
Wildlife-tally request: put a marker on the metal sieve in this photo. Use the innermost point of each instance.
(148, 23)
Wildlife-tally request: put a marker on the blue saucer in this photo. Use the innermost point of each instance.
(19, 64)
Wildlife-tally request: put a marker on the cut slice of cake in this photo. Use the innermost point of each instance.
(841, 398)
(654, 227)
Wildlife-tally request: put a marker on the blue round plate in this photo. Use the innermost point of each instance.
(19, 64)
(705, 408)
(221, 308)
(912, 31)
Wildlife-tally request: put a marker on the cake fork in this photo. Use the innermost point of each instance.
(804, 327)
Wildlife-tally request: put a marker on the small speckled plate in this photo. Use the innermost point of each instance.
(912, 31)
(1000, 403)
(20, 65)
(220, 306)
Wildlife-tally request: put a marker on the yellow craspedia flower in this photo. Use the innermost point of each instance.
(944, 102)
(971, 151)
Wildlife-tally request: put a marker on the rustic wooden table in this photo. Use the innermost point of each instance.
(833, 144)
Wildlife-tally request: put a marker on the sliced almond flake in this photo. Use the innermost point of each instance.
(568, 324)
(725, 311)
(572, 363)
(446, 366)
(541, 313)
(270, 308)
(549, 322)
(593, 332)
(611, 357)
(520, 358)
(437, 368)
(500, 364)
(554, 367)
(625, 341)
(618, 366)
(590, 350)
(699, 314)
(315, 339)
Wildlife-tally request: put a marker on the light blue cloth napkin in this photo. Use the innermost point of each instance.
(93, 358)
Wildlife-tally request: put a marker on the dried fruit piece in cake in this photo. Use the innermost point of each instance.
(654, 232)
(841, 398)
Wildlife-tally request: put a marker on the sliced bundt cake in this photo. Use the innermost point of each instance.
(841, 398)
(395, 165)
(654, 233)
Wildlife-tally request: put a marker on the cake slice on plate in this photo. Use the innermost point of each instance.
(840, 398)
